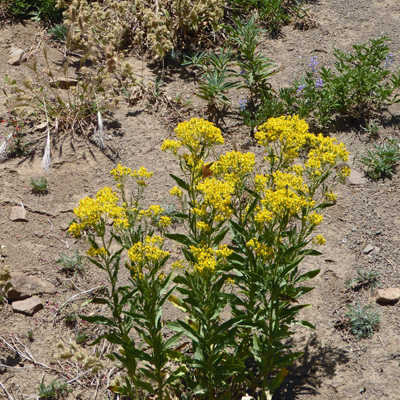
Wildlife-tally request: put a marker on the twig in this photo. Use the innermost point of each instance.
(383, 345)
(80, 376)
(51, 227)
(5, 390)
(74, 296)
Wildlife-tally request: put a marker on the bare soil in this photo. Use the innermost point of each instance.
(335, 365)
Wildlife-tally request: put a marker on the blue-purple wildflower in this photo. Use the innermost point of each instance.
(242, 104)
(313, 63)
(319, 83)
(301, 87)
(389, 60)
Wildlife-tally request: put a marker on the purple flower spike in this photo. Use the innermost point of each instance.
(319, 83)
(242, 104)
(301, 87)
(313, 63)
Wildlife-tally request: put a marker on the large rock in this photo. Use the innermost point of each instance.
(26, 285)
(388, 296)
(17, 56)
(28, 307)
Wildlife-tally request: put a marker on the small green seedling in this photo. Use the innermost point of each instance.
(71, 264)
(364, 320)
(53, 390)
(39, 186)
(364, 278)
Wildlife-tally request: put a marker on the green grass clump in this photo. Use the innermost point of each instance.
(364, 320)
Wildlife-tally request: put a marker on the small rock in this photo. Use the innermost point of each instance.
(17, 56)
(27, 285)
(376, 250)
(368, 248)
(28, 307)
(64, 83)
(356, 178)
(18, 214)
(388, 296)
(64, 226)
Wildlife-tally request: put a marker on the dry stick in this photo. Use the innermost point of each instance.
(73, 297)
(46, 161)
(5, 390)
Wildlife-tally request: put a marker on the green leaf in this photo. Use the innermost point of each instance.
(220, 237)
(183, 239)
(307, 324)
(98, 319)
(308, 275)
(181, 183)
(278, 380)
(177, 302)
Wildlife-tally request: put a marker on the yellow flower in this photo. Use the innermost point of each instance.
(93, 252)
(217, 195)
(165, 221)
(315, 219)
(319, 239)
(223, 251)
(205, 259)
(202, 226)
(262, 250)
(171, 145)
(345, 172)
(119, 173)
(234, 166)
(150, 251)
(175, 191)
(330, 196)
(140, 175)
(178, 265)
(197, 132)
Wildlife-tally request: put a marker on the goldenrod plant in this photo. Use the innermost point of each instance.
(249, 223)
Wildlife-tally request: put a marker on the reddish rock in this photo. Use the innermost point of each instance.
(28, 307)
(26, 285)
(388, 296)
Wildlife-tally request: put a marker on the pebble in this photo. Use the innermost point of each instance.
(368, 249)
(18, 213)
(388, 296)
(27, 285)
(17, 56)
(28, 307)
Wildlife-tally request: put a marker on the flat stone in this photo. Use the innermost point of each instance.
(27, 285)
(356, 178)
(28, 307)
(64, 83)
(17, 56)
(388, 296)
(18, 213)
(368, 248)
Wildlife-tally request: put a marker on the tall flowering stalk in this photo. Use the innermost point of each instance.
(117, 220)
(205, 270)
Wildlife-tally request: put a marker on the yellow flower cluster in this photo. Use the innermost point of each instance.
(291, 133)
(315, 219)
(234, 166)
(288, 196)
(175, 191)
(319, 239)
(217, 195)
(197, 132)
(202, 226)
(150, 251)
(93, 252)
(171, 145)
(91, 211)
(152, 212)
(205, 259)
(140, 175)
(262, 250)
(120, 172)
(325, 152)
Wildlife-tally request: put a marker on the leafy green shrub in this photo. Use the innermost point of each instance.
(364, 320)
(382, 160)
(362, 85)
(273, 13)
(38, 10)
(58, 33)
(271, 214)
